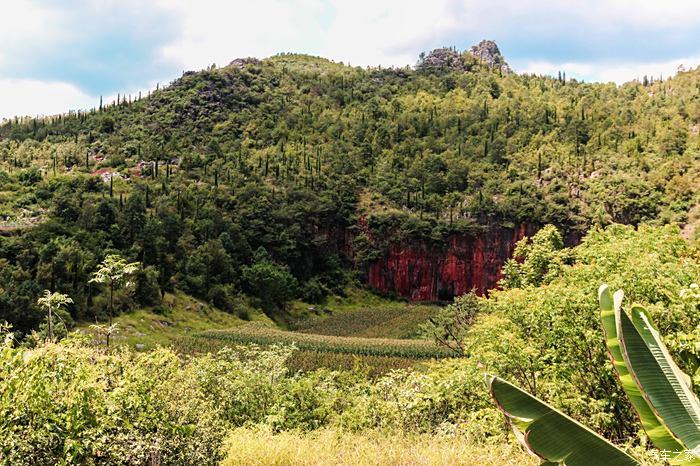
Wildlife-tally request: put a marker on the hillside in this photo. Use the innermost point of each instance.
(246, 401)
(291, 177)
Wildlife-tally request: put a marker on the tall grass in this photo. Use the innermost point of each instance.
(332, 447)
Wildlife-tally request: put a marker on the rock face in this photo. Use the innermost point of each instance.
(487, 53)
(442, 59)
(423, 272)
(241, 63)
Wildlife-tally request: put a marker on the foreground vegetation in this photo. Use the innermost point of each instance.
(333, 447)
(660, 393)
(78, 402)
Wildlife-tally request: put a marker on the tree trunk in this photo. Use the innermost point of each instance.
(50, 324)
(111, 311)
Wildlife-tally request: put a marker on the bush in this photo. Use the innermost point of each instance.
(71, 404)
(314, 292)
(75, 403)
(146, 290)
(548, 338)
(272, 284)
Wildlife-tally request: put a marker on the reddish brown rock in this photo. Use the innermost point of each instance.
(422, 271)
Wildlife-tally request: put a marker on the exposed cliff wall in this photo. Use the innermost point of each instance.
(422, 271)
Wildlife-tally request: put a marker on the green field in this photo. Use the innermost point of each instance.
(261, 334)
(398, 321)
(361, 331)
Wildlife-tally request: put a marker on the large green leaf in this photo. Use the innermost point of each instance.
(661, 437)
(552, 435)
(659, 380)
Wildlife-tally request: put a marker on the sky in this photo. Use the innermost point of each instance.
(61, 55)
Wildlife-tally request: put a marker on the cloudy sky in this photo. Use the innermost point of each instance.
(61, 55)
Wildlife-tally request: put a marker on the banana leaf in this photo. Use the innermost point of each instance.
(552, 435)
(658, 433)
(660, 381)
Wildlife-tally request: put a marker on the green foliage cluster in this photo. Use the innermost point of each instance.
(537, 260)
(546, 336)
(76, 403)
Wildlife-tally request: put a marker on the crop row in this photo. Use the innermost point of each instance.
(265, 335)
(395, 322)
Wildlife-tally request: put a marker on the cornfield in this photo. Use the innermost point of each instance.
(264, 335)
(392, 322)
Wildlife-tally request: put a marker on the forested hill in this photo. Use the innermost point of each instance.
(250, 178)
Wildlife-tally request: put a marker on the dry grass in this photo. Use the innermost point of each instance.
(330, 447)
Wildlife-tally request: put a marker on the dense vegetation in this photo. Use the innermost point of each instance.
(261, 190)
(240, 185)
(125, 407)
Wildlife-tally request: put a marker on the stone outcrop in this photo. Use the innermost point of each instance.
(421, 271)
(241, 63)
(442, 59)
(487, 53)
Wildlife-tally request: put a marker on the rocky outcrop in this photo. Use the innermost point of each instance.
(241, 63)
(422, 271)
(442, 59)
(487, 53)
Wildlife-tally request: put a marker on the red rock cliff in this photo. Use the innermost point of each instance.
(424, 272)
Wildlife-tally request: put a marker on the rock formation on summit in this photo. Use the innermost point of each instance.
(488, 54)
(442, 59)
(485, 53)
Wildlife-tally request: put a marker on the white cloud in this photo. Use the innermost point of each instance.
(390, 32)
(29, 97)
(394, 32)
(610, 72)
(217, 32)
(360, 32)
(27, 27)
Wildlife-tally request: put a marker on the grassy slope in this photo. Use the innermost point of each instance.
(359, 314)
(185, 317)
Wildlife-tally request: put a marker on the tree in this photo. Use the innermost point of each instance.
(450, 325)
(541, 258)
(52, 302)
(271, 283)
(116, 272)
